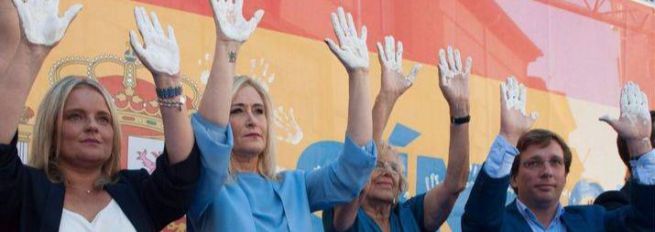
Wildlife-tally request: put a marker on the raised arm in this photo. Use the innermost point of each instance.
(635, 126)
(42, 29)
(15, 83)
(454, 85)
(353, 54)
(485, 207)
(9, 33)
(232, 30)
(393, 84)
(210, 125)
(161, 56)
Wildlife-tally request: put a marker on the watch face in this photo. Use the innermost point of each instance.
(461, 120)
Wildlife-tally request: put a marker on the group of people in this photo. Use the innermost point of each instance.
(218, 166)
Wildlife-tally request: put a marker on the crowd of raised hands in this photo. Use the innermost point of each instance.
(30, 29)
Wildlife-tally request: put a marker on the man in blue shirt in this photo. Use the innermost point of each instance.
(536, 163)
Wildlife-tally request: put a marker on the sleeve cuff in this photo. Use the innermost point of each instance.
(184, 172)
(500, 158)
(203, 126)
(643, 169)
(355, 164)
(359, 156)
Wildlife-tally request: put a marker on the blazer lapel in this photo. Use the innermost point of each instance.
(54, 208)
(514, 214)
(121, 194)
(574, 222)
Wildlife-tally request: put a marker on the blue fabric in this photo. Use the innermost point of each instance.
(500, 158)
(554, 226)
(485, 210)
(222, 204)
(407, 216)
(502, 153)
(643, 169)
(267, 211)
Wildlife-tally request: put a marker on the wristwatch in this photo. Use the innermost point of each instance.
(460, 120)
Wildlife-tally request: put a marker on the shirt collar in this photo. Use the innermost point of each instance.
(529, 215)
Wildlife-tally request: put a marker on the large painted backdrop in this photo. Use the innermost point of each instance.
(574, 55)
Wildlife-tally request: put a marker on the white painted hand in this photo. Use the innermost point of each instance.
(453, 78)
(40, 22)
(394, 82)
(514, 119)
(634, 122)
(287, 123)
(230, 22)
(259, 72)
(352, 52)
(161, 53)
(431, 181)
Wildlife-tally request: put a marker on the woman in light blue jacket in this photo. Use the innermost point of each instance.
(239, 189)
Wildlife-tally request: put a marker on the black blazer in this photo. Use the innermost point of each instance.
(31, 202)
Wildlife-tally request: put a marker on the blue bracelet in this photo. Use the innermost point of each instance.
(170, 92)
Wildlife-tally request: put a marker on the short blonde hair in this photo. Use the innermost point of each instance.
(384, 149)
(266, 164)
(46, 145)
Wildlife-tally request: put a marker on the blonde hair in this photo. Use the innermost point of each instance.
(266, 162)
(46, 145)
(384, 149)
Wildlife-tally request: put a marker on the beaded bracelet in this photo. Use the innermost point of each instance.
(172, 103)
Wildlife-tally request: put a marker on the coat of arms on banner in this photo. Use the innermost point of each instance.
(143, 152)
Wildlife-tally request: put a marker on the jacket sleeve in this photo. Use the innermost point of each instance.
(342, 180)
(168, 191)
(639, 215)
(485, 208)
(12, 174)
(215, 143)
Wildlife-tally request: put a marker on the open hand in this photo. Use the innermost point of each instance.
(514, 121)
(40, 22)
(160, 54)
(230, 22)
(394, 82)
(352, 51)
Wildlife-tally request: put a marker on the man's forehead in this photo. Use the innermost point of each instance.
(552, 149)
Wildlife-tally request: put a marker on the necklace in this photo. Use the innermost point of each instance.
(87, 191)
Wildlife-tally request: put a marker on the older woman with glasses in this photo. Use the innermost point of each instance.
(378, 207)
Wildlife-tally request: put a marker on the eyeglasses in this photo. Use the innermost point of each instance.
(540, 164)
(392, 167)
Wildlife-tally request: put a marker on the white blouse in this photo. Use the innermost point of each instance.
(111, 218)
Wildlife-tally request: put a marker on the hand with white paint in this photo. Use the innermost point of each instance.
(634, 124)
(431, 181)
(161, 54)
(287, 123)
(454, 81)
(259, 72)
(231, 25)
(352, 50)
(514, 121)
(40, 20)
(394, 83)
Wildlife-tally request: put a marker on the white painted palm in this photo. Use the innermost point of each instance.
(40, 20)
